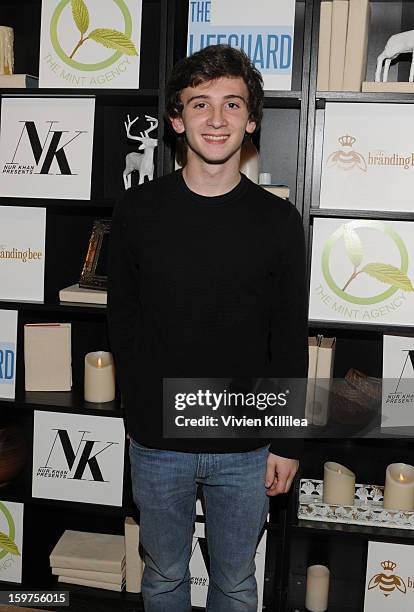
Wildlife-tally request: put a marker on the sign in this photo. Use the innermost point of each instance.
(262, 29)
(46, 147)
(8, 344)
(398, 381)
(22, 253)
(368, 157)
(389, 582)
(11, 541)
(89, 44)
(362, 271)
(78, 457)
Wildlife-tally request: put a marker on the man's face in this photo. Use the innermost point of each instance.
(214, 118)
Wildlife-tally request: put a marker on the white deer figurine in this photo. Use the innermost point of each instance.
(396, 44)
(143, 162)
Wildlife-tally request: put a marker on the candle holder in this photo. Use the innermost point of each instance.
(99, 377)
(367, 509)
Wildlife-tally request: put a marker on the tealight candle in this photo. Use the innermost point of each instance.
(317, 588)
(399, 487)
(338, 484)
(99, 377)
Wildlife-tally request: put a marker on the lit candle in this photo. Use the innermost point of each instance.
(99, 377)
(338, 484)
(317, 588)
(399, 487)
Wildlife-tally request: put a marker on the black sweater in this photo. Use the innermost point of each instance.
(204, 286)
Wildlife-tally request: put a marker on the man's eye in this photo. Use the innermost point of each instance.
(200, 105)
(233, 105)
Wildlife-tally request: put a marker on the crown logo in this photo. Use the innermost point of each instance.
(347, 141)
(389, 565)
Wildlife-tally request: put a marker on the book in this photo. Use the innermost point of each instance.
(77, 294)
(390, 87)
(282, 191)
(324, 49)
(264, 29)
(356, 45)
(134, 563)
(8, 351)
(338, 44)
(111, 577)
(18, 81)
(89, 551)
(310, 390)
(47, 357)
(96, 584)
(324, 372)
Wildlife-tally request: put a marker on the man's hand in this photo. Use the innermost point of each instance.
(280, 473)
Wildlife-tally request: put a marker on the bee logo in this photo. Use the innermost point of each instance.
(387, 581)
(345, 158)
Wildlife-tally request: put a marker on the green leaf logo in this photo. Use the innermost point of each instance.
(7, 544)
(80, 15)
(113, 40)
(385, 273)
(353, 246)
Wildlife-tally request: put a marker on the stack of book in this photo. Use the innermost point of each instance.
(90, 559)
(343, 44)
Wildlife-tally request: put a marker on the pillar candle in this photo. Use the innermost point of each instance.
(99, 377)
(399, 487)
(338, 484)
(317, 588)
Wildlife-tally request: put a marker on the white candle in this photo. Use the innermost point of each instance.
(317, 588)
(338, 484)
(6, 50)
(399, 487)
(99, 377)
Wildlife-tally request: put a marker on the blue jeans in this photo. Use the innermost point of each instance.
(164, 487)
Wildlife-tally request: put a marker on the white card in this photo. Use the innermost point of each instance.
(8, 347)
(398, 381)
(46, 147)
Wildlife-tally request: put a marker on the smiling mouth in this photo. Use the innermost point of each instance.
(215, 138)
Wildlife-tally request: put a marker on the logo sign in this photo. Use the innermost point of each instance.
(90, 44)
(8, 338)
(46, 147)
(22, 248)
(362, 271)
(398, 381)
(262, 29)
(11, 541)
(78, 458)
(390, 578)
(368, 157)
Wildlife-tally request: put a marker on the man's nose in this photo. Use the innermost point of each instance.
(216, 118)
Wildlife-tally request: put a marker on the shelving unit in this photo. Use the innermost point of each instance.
(290, 145)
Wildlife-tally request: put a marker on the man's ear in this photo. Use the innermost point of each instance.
(250, 127)
(177, 124)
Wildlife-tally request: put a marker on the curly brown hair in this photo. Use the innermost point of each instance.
(212, 63)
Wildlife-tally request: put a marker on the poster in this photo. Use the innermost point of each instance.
(11, 542)
(22, 253)
(362, 271)
(90, 44)
(262, 29)
(8, 348)
(368, 157)
(46, 147)
(78, 457)
(398, 381)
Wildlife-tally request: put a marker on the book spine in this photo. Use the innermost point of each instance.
(338, 44)
(101, 565)
(310, 390)
(324, 371)
(133, 561)
(324, 51)
(113, 578)
(91, 583)
(356, 45)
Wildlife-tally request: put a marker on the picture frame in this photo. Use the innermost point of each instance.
(94, 273)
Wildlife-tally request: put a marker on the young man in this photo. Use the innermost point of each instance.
(207, 278)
